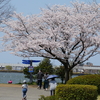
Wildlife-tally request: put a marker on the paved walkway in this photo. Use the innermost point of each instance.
(11, 92)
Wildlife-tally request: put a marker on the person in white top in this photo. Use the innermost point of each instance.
(53, 85)
(24, 88)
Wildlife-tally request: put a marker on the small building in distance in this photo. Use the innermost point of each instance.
(87, 68)
(14, 66)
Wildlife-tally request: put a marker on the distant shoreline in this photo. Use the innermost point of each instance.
(11, 71)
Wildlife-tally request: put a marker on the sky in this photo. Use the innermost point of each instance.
(29, 7)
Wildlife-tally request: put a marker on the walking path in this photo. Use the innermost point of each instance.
(14, 92)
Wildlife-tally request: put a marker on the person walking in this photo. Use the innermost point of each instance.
(39, 79)
(53, 85)
(24, 89)
(46, 82)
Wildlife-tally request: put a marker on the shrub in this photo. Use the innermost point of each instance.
(47, 98)
(76, 92)
(86, 80)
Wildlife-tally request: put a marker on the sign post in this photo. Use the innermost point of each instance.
(30, 68)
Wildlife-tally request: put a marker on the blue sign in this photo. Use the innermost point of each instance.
(25, 62)
(29, 61)
(30, 69)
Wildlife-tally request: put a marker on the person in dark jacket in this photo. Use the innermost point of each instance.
(46, 82)
(39, 79)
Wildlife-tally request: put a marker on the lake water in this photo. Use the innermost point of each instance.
(16, 77)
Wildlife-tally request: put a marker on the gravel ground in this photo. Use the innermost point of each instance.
(14, 92)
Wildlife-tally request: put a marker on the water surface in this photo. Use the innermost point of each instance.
(15, 77)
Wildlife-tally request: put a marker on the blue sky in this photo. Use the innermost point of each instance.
(29, 7)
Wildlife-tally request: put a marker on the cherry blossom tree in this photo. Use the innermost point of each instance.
(66, 33)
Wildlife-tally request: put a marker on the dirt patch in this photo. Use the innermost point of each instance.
(10, 85)
(15, 85)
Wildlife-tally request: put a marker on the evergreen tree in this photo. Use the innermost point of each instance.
(45, 66)
(60, 71)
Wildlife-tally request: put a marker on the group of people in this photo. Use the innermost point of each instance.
(47, 83)
(40, 76)
(52, 83)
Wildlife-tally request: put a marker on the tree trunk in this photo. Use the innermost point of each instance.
(66, 72)
(66, 75)
(62, 80)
